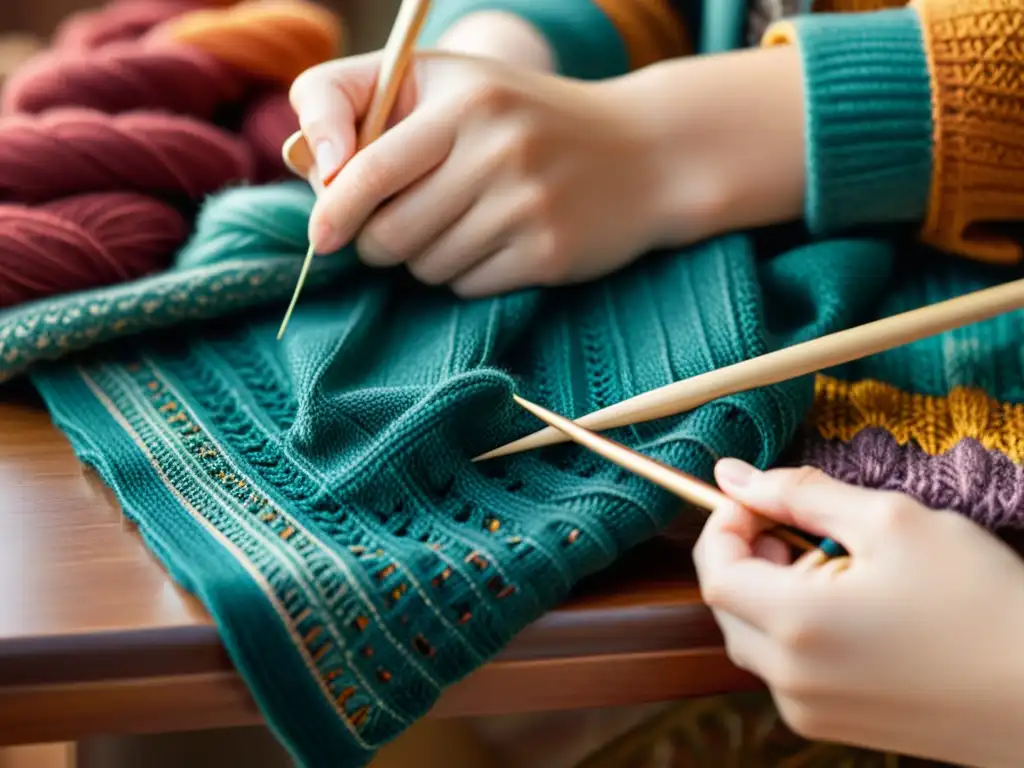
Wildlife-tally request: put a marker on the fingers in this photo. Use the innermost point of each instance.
(329, 100)
(431, 224)
(399, 158)
(732, 578)
(808, 499)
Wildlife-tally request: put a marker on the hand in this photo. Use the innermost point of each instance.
(492, 177)
(913, 648)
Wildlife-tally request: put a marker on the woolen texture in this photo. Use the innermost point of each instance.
(317, 493)
(868, 120)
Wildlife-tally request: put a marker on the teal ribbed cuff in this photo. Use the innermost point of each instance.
(586, 44)
(869, 122)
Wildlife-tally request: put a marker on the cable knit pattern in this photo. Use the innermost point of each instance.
(936, 424)
(155, 153)
(982, 484)
(976, 51)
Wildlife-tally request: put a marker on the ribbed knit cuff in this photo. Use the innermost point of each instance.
(869, 125)
(585, 43)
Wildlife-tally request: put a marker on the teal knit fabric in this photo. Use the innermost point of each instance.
(583, 39)
(868, 118)
(317, 494)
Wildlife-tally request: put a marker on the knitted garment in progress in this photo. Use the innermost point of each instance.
(317, 494)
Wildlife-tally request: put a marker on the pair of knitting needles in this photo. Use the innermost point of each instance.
(791, 362)
(396, 57)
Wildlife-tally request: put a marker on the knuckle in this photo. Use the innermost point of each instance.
(377, 242)
(371, 173)
(803, 477)
(488, 99)
(426, 272)
(713, 592)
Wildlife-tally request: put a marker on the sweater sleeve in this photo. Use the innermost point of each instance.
(590, 39)
(916, 115)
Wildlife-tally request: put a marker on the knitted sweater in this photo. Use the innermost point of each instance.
(316, 494)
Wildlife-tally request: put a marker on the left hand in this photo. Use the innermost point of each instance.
(498, 177)
(913, 648)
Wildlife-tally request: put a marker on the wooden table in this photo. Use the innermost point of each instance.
(95, 638)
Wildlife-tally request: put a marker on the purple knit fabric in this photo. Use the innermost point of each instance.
(985, 485)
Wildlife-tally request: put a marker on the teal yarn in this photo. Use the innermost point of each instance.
(249, 223)
(317, 494)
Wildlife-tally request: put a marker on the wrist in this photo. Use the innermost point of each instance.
(499, 35)
(725, 137)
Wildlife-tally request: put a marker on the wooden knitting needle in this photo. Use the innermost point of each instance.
(788, 363)
(396, 57)
(677, 482)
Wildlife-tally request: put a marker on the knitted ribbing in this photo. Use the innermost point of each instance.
(317, 493)
(867, 116)
(977, 50)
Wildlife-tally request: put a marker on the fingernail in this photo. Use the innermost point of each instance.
(735, 472)
(323, 237)
(327, 160)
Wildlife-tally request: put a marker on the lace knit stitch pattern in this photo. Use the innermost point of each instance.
(976, 49)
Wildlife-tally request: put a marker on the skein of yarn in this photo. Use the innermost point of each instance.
(118, 21)
(122, 77)
(267, 124)
(251, 222)
(84, 242)
(271, 39)
(66, 152)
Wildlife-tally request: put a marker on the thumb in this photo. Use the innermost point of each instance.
(810, 500)
(329, 100)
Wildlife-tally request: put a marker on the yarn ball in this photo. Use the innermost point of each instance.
(66, 152)
(117, 22)
(84, 242)
(268, 122)
(123, 77)
(250, 222)
(273, 40)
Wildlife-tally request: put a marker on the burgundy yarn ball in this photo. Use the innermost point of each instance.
(84, 242)
(117, 22)
(67, 152)
(268, 122)
(123, 77)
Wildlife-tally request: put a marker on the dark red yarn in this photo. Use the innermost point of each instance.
(67, 152)
(267, 124)
(84, 242)
(117, 22)
(123, 77)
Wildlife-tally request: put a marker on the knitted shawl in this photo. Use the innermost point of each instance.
(317, 493)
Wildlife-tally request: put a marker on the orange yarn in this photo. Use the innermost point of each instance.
(650, 29)
(272, 39)
(976, 54)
